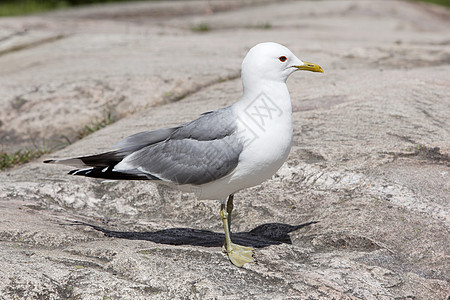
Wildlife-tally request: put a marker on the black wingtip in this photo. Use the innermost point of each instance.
(48, 161)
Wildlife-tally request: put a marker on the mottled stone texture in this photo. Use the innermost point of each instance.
(370, 161)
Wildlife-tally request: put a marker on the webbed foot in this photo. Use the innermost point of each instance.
(239, 255)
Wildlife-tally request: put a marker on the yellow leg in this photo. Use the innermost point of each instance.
(230, 207)
(238, 255)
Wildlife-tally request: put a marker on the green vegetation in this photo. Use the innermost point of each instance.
(24, 7)
(202, 27)
(8, 160)
(266, 25)
(439, 2)
(88, 129)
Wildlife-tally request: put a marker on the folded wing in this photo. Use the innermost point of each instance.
(195, 153)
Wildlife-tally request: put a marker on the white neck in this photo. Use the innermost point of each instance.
(276, 93)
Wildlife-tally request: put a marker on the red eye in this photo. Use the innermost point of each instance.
(282, 58)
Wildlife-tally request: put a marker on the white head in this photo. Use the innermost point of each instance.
(274, 62)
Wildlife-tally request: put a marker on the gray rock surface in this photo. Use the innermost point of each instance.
(370, 161)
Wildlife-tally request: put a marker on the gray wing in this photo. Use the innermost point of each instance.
(198, 152)
(124, 147)
(140, 140)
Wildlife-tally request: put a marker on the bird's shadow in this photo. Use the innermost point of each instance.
(259, 237)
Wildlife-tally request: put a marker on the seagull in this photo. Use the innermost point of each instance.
(220, 153)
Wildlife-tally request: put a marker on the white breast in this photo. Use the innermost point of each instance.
(265, 125)
(268, 136)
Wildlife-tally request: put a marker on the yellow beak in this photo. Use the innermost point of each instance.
(309, 67)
